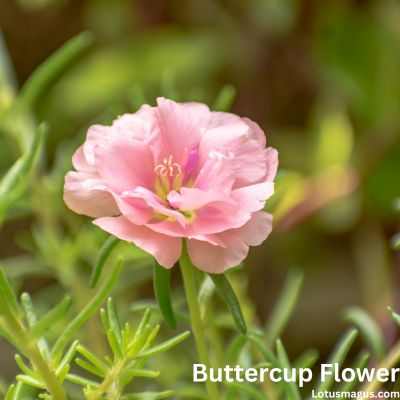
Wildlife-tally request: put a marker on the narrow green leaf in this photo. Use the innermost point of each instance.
(291, 387)
(23, 391)
(338, 356)
(361, 362)
(285, 306)
(29, 311)
(104, 319)
(114, 344)
(162, 290)
(97, 362)
(5, 333)
(225, 98)
(206, 291)
(113, 321)
(52, 317)
(235, 348)
(140, 373)
(151, 337)
(369, 329)
(105, 251)
(7, 296)
(13, 183)
(62, 372)
(167, 345)
(225, 290)
(49, 71)
(30, 315)
(10, 395)
(149, 395)
(28, 380)
(248, 389)
(89, 367)
(22, 366)
(307, 359)
(263, 349)
(87, 312)
(143, 323)
(68, 357)
(138, 342)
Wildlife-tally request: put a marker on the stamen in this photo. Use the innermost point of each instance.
(168, 167)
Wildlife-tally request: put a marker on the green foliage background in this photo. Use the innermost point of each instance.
(322, 78)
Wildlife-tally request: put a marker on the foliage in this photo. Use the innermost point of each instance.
(333, 114)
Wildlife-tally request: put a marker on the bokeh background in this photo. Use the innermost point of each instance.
(321, 77)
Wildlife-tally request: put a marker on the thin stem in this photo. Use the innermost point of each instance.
(31, 350)
(188, 274)
(110, 383)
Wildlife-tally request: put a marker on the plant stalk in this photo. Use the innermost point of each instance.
(31, 351)
(191, 290)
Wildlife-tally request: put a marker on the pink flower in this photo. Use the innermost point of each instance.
(177, 171)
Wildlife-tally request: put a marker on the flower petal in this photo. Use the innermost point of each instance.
(189, 199)
(216, 259)
(257, 229)
(181, 126)
(238, 142)
(252, 198)
(136, 210)
(86, 194)
(142, 125)
(80, 163)
(272, 163)
(97, 135)
(165, 249)
(125, 164)
(155, 203)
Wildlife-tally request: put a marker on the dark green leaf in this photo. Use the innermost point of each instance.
(361, 362)
(47, 72)
(284, 306)
(167, 345)
(225, 290)
(291, 387)
(87, 312)
(225, 98)
(113, 320)
(369, 329)
(338, 356)
(8, 299)
(162, 290)
(52, 317)
(104, 253)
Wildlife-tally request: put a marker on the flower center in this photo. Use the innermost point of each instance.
(168, 167)
(169, 176)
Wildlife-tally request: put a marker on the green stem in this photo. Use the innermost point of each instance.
(188, 274)
(32, 352)
(52, 383)
(110, 383)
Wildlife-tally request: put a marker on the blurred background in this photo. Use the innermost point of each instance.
(321, 77)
